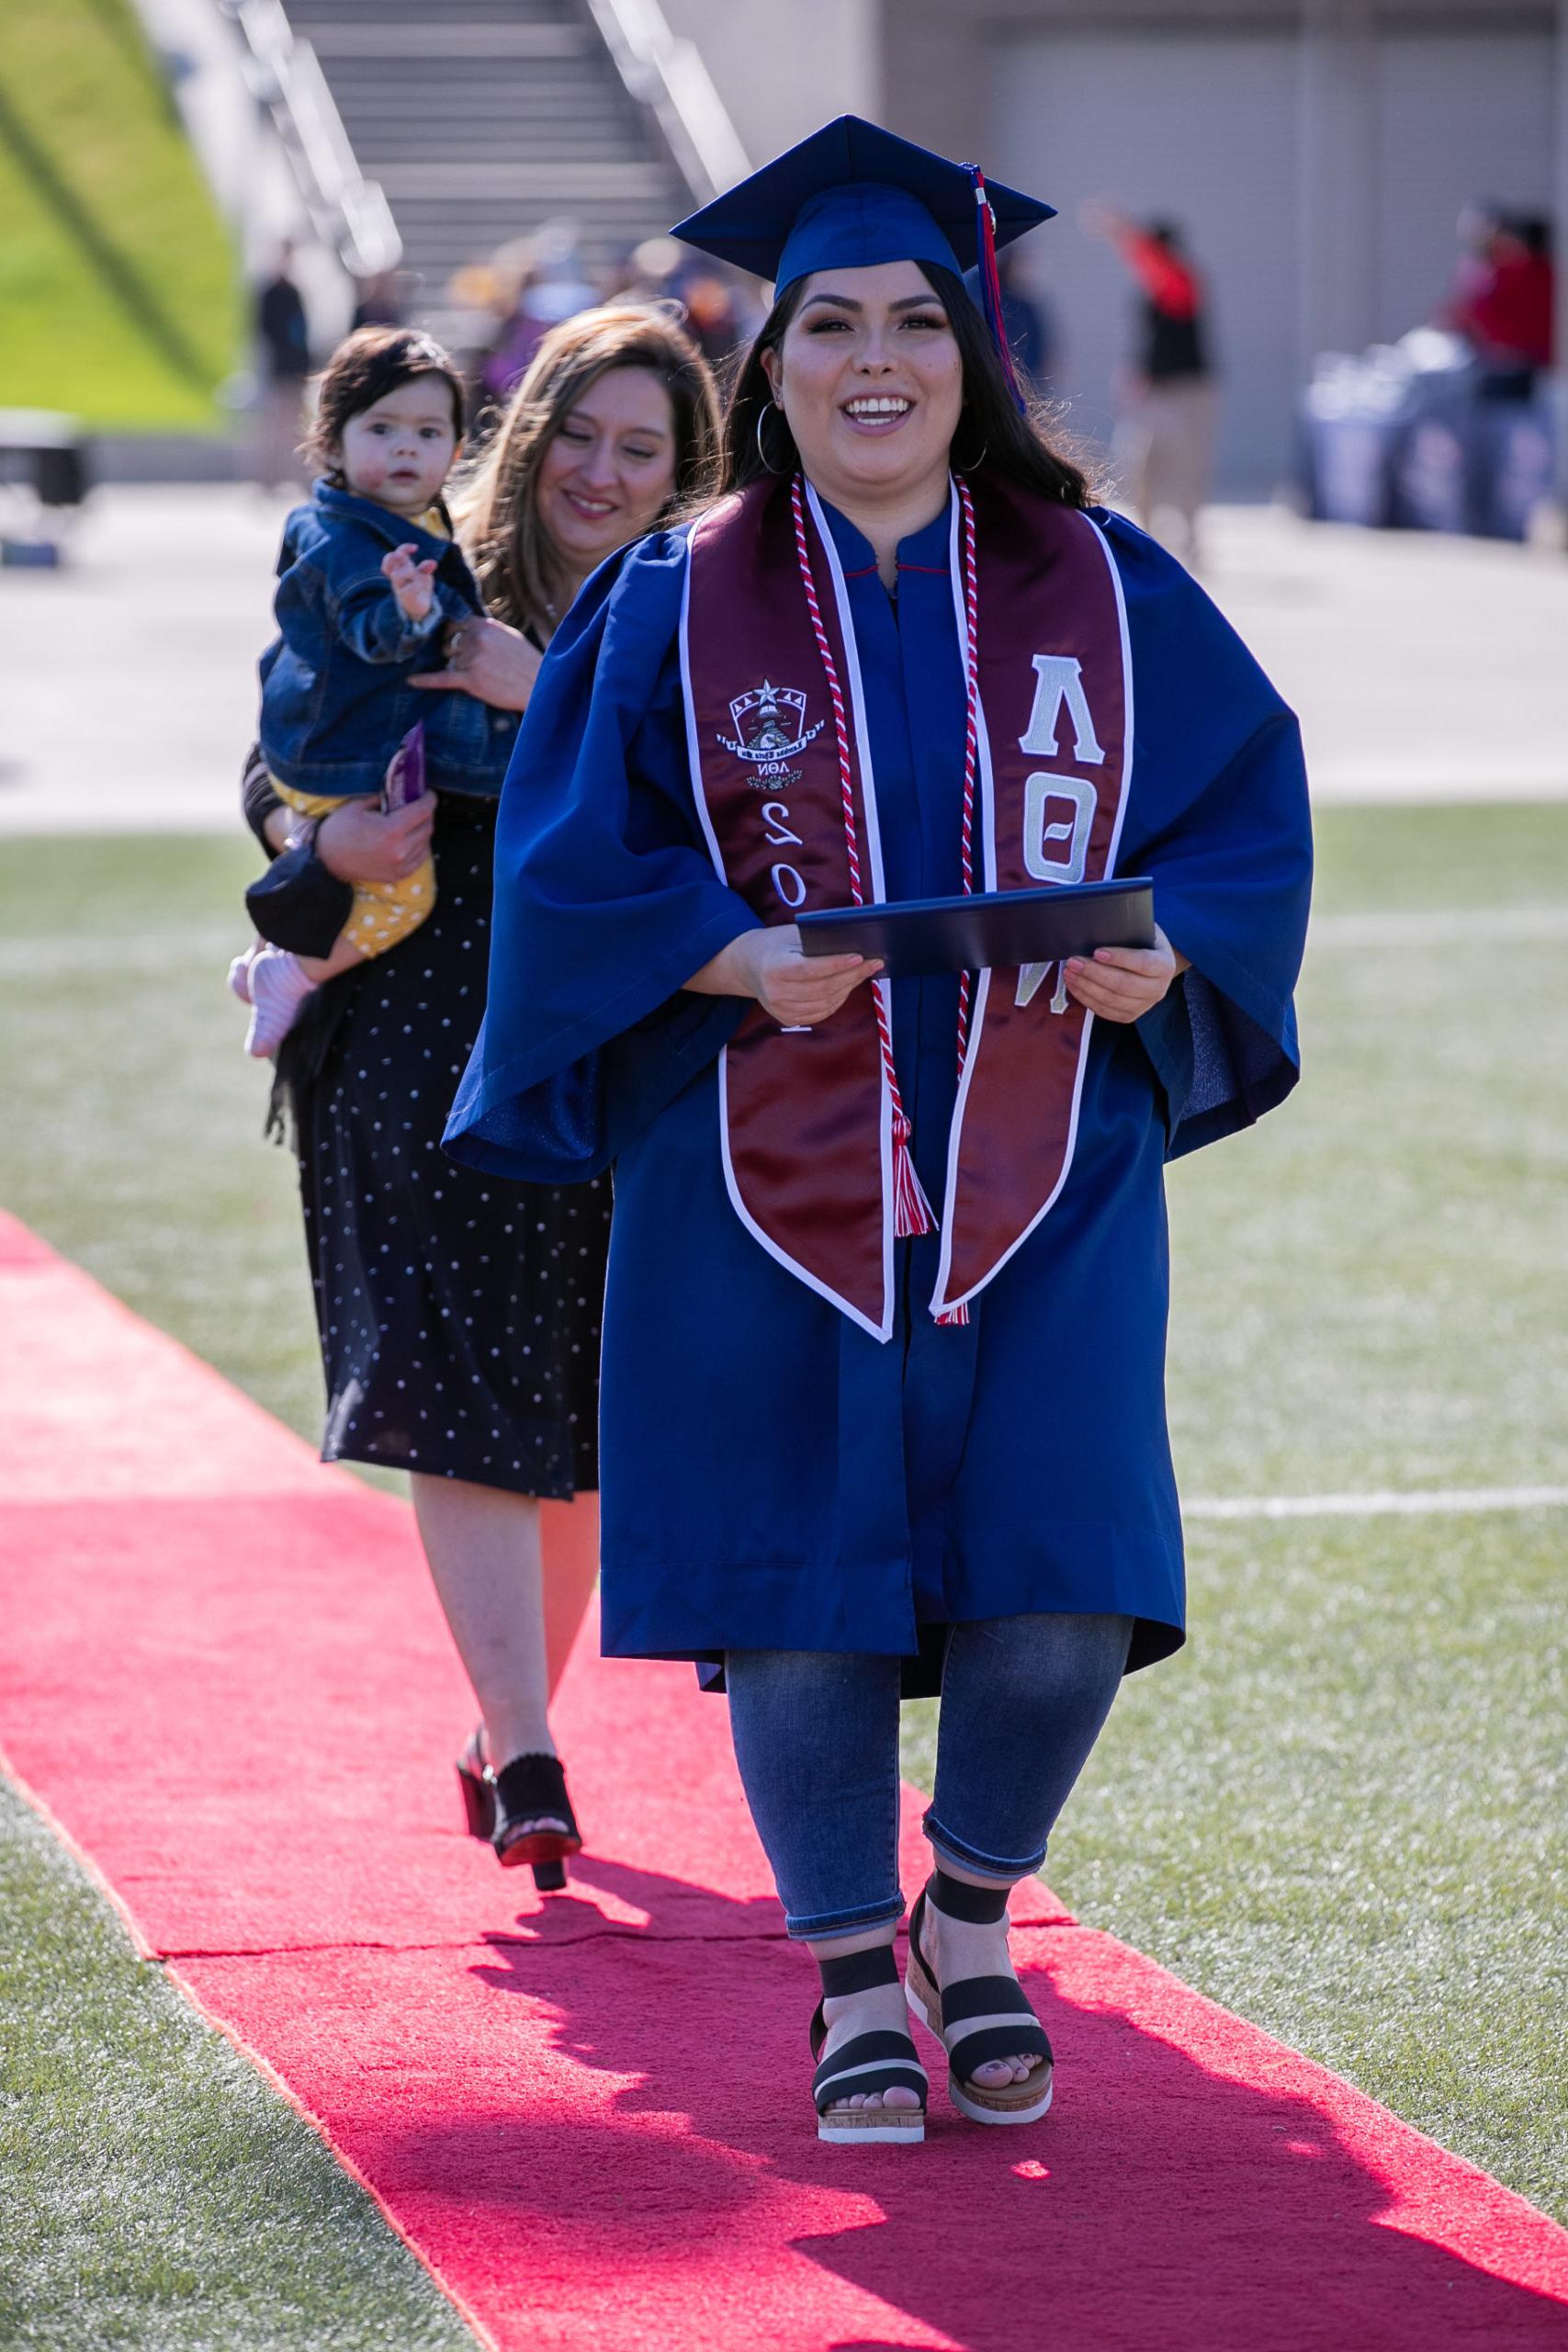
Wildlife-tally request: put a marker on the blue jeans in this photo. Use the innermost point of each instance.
(816, 1740)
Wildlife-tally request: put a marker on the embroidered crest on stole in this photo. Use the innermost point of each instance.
(805, 1115)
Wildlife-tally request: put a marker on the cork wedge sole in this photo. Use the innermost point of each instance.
(1024, 2102)
(884, 2127)
(882, 2060)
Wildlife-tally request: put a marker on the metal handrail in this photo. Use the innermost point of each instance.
(285, 74)
(668, 74)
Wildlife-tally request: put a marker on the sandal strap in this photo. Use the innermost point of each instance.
(883, 2061)
(858, 1972)
(916, 1923)
(532, 1789)
(980, 1996)
(984, 1997)
(981, 1906)
(972, 2050)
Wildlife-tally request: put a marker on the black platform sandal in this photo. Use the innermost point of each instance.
(883, 2061)
(977, 1997)
(523, 1810)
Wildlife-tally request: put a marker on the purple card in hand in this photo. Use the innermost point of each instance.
(404, 779)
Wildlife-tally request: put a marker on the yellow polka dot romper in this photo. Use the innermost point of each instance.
(382, 912)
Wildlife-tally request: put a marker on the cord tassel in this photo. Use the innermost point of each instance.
(953, 1317)
(911, 1210)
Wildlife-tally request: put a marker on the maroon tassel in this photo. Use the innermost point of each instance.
(954, 1316)
(991, 283)
(911, 1210)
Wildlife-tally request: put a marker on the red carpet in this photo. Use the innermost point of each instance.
(226, 1680)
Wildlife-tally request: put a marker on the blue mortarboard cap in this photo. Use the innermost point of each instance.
(848, 197)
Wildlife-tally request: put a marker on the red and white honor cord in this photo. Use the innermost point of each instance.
(911, 1210)
(960, 1314)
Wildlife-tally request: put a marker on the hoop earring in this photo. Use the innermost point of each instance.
(761, 419)
(975, 463)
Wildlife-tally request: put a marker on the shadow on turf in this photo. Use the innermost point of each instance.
(1161, 2205)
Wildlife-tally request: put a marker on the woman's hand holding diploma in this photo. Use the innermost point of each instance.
(798, 989)
(1123, 983)
(1118, 983)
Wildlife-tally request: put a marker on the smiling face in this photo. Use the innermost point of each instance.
(400, 450)
(869, 376)
(608, 470)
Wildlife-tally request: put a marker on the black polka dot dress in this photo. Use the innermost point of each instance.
(460, 1314)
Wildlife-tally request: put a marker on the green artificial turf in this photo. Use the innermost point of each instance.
(135, 1143)
(158, 2193)
(1340, 1811)
(118, 287)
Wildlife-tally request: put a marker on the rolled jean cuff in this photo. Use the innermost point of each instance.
(814, 1925)
(970, 1858)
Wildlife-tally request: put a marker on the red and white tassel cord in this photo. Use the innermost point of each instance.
(911, 1210)
(960, 1314)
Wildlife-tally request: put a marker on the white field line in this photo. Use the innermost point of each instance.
(55, 952)
(1440, 927)
(1412, 1503)
(55, 955)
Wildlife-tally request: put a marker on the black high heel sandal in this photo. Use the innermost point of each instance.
(523, 1810)
(977, 1997)
(883, 2061)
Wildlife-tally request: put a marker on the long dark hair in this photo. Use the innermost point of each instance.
(494, 501)
(366, 366)
(1002, 442)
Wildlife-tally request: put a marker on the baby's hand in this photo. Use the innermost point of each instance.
(413, 584)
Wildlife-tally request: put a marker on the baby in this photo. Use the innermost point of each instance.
(370, 579)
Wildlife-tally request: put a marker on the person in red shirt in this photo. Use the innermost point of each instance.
(1164, 438)
(1501, 302)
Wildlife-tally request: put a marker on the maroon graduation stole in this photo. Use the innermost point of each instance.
(812, 1124)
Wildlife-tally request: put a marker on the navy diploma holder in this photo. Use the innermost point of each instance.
(989, 929)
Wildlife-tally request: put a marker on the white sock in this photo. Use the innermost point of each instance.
(278, 987)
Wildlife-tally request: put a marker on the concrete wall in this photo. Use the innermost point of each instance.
(783, 67)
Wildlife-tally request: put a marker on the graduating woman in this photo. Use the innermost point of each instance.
(883, 1396)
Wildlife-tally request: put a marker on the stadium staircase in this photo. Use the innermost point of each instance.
(483, 120)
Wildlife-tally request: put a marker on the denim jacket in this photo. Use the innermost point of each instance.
(336, 700)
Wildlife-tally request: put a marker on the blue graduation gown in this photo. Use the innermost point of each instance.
(773, 1477)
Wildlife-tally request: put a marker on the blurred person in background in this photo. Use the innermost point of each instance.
(283, 363)
(1030, 323)
(1167, 394)
(379, 301)
(1027, 322)
(619, 278)
(719, 310)
(551, 283)
(1502, 299)
(459, 1320)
